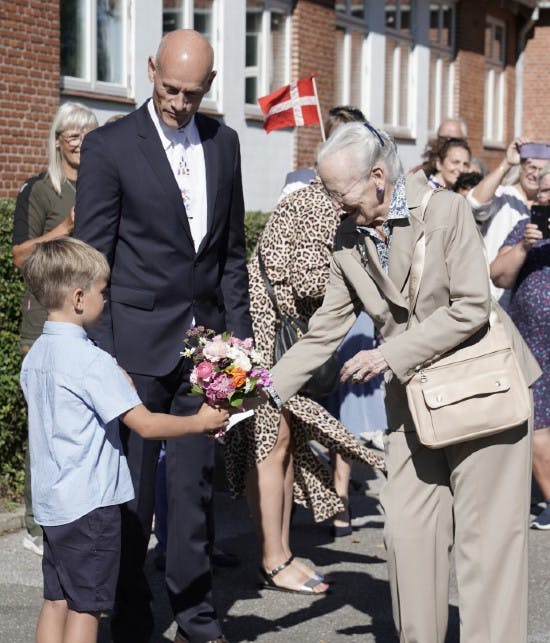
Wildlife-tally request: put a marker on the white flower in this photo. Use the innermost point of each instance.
(243, 362)
(214, 351)
(188, 352)
(247, 386)
(256, 356)
(202, 341)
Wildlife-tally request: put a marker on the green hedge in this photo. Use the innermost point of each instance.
(254, 223)
(13, 413)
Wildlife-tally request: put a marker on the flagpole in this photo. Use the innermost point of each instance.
(318, 109)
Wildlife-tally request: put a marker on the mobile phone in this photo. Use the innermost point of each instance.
(540, 216)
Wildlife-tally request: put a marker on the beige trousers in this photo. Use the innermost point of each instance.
(474, 496)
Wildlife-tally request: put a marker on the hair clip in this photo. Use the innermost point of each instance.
(375, 132)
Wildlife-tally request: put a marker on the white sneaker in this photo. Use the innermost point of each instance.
(34, 544)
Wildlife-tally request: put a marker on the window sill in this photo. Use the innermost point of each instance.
(494, 145)
(109, 98)
(400, 134)
(253, 114)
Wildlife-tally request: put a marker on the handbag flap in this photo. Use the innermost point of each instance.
(452, 392)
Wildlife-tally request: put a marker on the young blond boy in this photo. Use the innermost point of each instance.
(74, 391)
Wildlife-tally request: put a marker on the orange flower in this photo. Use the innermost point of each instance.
(238, 376)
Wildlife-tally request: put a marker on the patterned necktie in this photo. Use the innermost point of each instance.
(183, 176)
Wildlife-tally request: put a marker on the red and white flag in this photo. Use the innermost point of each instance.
(293, 105)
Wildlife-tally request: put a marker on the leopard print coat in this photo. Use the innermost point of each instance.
(296, 246)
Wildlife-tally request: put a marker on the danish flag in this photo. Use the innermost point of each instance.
(293, 105)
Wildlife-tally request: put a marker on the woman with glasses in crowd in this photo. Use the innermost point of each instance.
(503, 198)
(44, 211)
(523, 266)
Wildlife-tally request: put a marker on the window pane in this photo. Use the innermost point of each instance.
(405, 18)
(73, 38)
(357, 9)
(404, 86)
(110, 41)
(202, 19)
(339, 96)
(172, 15)
(434, 26)
(278, 50)
(341, 6)
(356, 67)
(388, 87)
(498, 45)
(391, 14)
(447, 33)
(251, 90)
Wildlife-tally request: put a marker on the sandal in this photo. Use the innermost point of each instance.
(267, 582)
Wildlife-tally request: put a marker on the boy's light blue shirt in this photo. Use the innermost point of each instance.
(74, 390)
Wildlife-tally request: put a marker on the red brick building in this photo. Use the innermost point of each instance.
(407, 65)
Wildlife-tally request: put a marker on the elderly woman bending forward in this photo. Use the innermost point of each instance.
(474, 494)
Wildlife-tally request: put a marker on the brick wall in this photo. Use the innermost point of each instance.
(29, 87)
(313, 49)
(536, 88)
(471, 69)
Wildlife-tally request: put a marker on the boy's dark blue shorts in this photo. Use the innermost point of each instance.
(81, 560)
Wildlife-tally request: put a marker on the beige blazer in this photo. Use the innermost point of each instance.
(453, 300)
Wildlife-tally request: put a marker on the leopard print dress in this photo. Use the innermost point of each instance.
(296, 247)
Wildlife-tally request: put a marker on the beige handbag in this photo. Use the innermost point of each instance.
(474, 390)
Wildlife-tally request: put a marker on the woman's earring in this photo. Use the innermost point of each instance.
(379, 191)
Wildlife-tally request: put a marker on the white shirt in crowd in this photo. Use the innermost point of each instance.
(498, 217)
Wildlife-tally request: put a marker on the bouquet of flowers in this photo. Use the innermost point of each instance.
(225, 368)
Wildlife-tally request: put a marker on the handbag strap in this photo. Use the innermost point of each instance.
(418, 259)
(268, 286)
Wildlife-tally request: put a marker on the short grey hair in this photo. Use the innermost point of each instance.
(366, 148)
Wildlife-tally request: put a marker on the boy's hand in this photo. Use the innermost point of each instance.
(212, 418)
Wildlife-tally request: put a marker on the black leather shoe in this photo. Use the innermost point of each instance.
(221, 558)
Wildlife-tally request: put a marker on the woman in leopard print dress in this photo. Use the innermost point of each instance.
(269, 457)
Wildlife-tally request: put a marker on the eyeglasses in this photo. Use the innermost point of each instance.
(451, 139)
(339, 197)
(73, 139)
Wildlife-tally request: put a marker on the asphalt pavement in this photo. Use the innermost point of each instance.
(356, 611)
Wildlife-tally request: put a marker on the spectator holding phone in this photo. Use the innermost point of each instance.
(505, 196)
(523, 265)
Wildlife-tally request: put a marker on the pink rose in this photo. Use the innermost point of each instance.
(204, 370)
(215, 351)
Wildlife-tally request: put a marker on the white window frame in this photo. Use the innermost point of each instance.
(212, 101)
(90, 83)
(393, 127)
(263, 70)
(442, 52)
(348, 24)
(494, 129)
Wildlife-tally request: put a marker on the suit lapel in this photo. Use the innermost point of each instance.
(151, 147)
(211, 163)
(371, 264)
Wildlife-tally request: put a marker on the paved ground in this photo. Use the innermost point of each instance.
(357, 611)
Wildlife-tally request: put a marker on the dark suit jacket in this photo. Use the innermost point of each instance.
(129, 207)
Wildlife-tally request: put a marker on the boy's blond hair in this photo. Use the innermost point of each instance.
(57, 266)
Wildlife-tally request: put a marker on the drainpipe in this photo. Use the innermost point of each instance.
(522, 38)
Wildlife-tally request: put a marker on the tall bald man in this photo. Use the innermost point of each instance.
(159, 193)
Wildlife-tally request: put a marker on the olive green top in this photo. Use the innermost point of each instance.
(46, 210)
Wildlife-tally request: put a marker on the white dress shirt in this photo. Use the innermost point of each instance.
(184, 151)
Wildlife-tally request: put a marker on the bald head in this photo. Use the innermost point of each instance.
(181, 74)
(452, 128)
